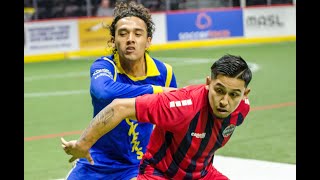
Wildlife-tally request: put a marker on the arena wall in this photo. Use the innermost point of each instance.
(60, 39)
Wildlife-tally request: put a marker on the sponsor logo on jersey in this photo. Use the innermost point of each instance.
(198, 135)
(102, 72)
(136, 147)
(228, 130)
(186, 102)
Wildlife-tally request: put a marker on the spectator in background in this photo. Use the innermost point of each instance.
(128, 72)
(154, 5)
(191, 123)
(104, 9)
(73, 8)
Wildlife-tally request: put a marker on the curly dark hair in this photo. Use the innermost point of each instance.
(232, 66)
(128, 9)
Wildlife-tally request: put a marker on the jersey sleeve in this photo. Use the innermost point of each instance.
(170, 111)
(103, 83)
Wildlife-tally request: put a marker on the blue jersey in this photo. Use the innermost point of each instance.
(124, 146)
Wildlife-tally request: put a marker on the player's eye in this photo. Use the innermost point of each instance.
(122, 33)
(219, 90)
(234, 95)
(138, 34)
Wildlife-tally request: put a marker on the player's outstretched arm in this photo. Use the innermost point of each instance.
(102, 123)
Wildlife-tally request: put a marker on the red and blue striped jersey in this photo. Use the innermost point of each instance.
(186, 134)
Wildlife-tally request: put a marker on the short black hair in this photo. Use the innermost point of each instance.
(232, 66)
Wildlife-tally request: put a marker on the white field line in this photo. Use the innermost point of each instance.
(56, 76)
(249, 169)
(56, 93)
(173, 60)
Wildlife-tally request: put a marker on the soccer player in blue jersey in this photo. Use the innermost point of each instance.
(128, 72)
(192, 123)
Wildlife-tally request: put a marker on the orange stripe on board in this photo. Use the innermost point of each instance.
(273, 106)
(51, 135)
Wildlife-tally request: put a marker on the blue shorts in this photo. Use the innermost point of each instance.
(88, 172)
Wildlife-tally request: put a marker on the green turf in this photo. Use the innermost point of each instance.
(268, 134)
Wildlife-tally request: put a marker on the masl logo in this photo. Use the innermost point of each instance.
(272, 20)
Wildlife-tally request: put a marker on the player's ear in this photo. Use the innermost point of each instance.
(208, 80)
(148, 44)
(112, 42)
(246, 92)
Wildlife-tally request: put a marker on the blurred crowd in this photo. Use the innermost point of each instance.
(47, 9)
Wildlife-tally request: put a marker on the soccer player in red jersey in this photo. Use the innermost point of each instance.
(191, 123)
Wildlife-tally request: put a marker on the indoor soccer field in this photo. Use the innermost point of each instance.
(57, 104)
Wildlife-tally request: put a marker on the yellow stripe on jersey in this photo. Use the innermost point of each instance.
(115, 68)
(169, 74)
(152, 69)
(157, 89)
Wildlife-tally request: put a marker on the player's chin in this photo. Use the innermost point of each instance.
(221, 114)
(131, 56)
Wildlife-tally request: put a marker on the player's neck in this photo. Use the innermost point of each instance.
(135, 68)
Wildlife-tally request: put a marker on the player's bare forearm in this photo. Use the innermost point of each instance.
(97, 127)
(107, 119)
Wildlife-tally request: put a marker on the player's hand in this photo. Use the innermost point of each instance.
(73, 149)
